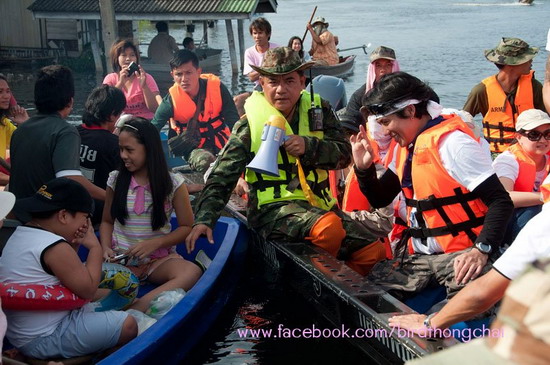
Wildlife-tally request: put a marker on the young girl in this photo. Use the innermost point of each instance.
(523, 167)
(296, 44)
(140, 89)
(141, 196)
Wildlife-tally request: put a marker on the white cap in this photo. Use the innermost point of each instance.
(531, 119)
(7, 200)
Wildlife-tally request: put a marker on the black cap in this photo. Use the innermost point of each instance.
(56, 194)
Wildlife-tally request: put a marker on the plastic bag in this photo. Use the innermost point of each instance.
(143, 320)
(164, 302)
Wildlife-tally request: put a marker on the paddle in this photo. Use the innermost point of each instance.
(310, 19)
(364, 47)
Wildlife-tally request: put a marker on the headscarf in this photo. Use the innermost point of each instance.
(371, 76)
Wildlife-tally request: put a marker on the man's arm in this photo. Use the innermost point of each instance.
(229, 112)
(164, 112)
(477, 101)
(474, 299)
(229, 166)
(333, 151)
(546, 85)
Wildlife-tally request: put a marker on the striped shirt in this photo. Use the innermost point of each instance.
(138, 227)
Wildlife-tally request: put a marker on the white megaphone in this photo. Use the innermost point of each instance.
(273, 136)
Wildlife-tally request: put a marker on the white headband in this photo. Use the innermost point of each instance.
(433, 108)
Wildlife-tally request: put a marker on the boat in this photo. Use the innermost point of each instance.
(170, 339)
(343, 297)
(342, 69)
(526, 2)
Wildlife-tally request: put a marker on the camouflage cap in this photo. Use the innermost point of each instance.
(511, 51)
(319, 19)
(281, 61)
(382, 52)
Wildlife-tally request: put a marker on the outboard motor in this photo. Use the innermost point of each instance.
(332, 89)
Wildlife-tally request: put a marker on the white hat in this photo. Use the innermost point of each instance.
(531, 119)
(7, 200)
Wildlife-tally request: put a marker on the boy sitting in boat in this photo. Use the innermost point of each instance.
(43, 251)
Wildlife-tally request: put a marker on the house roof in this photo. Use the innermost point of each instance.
(154, 9)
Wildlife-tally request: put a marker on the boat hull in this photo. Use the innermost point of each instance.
(343, 297)
(173, 337)
(343, 69)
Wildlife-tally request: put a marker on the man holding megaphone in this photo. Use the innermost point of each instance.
(289, 198)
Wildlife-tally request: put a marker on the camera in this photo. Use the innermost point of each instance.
(133, 68)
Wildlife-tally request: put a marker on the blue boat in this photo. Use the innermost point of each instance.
(170, 339)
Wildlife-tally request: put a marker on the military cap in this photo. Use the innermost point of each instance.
(382, 52)
(511, 51)
(281, 61)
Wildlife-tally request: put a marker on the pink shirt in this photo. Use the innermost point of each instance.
(253, 57)
(135, 100)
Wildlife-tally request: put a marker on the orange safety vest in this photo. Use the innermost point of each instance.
(527, 169)
(445, 210)
(213, 130)
(500, 120)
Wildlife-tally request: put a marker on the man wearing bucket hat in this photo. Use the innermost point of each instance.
(284, 208)
(323, 46)
(502, 97)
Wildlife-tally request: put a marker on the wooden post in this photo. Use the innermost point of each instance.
(205, 32)
(232, 52)
(95, 46)
(108, 26)
(240, 34)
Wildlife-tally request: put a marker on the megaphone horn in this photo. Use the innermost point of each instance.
(273, 136)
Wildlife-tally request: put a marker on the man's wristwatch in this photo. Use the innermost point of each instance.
(427, 321)
(484, 247)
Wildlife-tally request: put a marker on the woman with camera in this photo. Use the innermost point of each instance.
(139, 88)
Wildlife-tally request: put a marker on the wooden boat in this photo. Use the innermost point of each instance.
(341, 296)
(342, 69)
(526, 2)
(170, 339)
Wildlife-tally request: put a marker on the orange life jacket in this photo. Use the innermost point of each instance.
(527, 169)
(500, 120)
(213, 130)
(545, 191)
(445, 210)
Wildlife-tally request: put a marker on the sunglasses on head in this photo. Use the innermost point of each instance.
(535, 136)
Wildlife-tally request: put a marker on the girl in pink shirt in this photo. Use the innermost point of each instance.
(140, 199)
(140, 89)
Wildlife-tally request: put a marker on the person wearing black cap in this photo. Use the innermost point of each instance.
(44, 251)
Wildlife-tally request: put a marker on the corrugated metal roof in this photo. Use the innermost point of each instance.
(147, 6)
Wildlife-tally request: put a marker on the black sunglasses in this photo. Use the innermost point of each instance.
(535, 136)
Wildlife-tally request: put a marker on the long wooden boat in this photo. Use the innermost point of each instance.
(170, 339)
(341, 296)
(342, 69)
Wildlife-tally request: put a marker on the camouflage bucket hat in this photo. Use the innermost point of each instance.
(382, 52)
(511, 51)
(281, 61)
(319, 19)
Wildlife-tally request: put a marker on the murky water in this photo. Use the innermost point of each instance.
(441, 42)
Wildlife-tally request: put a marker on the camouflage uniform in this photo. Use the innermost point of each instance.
(521, 332)
(288, 221)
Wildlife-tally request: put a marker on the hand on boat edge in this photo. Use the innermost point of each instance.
(198, 231)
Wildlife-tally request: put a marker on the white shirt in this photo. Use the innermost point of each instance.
(507, 166)
(532, 243)
(465, 160)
